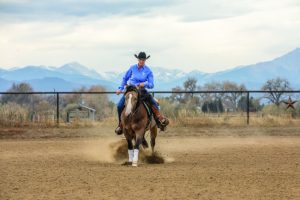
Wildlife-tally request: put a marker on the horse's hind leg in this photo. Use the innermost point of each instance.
(153, 134)
(144, 142)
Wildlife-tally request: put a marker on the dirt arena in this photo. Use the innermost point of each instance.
(197, 166)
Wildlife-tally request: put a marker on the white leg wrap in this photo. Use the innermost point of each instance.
(130, 155)
(135, 157)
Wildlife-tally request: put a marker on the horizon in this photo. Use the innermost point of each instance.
(74, 75)
(157, 67)
(213, 36)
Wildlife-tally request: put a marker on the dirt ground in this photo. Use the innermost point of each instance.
(221, 166)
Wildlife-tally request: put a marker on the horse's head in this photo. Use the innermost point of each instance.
(131, 99)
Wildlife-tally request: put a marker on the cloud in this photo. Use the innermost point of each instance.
(209, 10)
(208, 36)
(55, 10)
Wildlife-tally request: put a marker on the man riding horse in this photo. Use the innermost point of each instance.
(141, 76)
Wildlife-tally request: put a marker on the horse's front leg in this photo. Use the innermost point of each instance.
(129, 145)
(138, 140)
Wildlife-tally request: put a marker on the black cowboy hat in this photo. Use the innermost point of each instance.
(142, 56)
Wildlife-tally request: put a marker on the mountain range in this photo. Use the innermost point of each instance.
(74, 75)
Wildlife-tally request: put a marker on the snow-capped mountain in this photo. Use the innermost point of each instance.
(76, 68)
(68, 77)
(73, 75)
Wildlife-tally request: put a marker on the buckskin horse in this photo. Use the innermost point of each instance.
(136, 120)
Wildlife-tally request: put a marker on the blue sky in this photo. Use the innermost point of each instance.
(187, 34)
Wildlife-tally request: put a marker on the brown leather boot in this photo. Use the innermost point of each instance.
(163, 121)
(119, 129)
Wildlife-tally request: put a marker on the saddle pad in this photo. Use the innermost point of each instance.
(149, 111)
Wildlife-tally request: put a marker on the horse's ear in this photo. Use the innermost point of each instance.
(129, 88)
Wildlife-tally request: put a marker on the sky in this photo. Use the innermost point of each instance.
(104, 35)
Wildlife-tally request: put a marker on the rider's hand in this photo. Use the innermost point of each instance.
(118, 92)
(141, 85)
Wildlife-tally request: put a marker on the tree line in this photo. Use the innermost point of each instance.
(234, 101)
(206, 102)
(41, 103)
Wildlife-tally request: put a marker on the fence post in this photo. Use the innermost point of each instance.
(153, 94)
(57, 108)
(248, 107)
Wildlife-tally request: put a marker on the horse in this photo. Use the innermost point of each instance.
(136, 121)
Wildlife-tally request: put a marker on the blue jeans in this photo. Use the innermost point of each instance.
(121, 105)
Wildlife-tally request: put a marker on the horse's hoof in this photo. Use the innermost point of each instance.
(134, 164)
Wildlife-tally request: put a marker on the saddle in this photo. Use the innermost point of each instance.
(145, 97)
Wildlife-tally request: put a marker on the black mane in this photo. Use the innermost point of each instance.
(130, 88)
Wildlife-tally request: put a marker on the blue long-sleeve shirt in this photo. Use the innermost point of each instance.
(136, 76)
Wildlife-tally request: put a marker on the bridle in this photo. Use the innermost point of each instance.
(136, 90)
(138, 103)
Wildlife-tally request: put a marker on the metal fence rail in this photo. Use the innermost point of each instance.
(247, 92)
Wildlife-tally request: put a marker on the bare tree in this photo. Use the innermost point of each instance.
(213, 97)
(179, 97)
(99, 102)
(233, 97)
(73, 98)
(213, 86)
(22, 99)
(189, 85)
(277, 84)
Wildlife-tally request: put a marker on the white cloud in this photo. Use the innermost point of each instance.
(194, 35)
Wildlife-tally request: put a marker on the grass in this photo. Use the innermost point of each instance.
(212, 120)
(235, 121)
(14, 115)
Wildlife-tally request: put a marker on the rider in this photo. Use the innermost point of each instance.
(140, 75)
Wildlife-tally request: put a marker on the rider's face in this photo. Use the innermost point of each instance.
(141, 62)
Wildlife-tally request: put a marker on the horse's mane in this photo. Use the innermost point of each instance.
(130, 88)
(142, 94)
